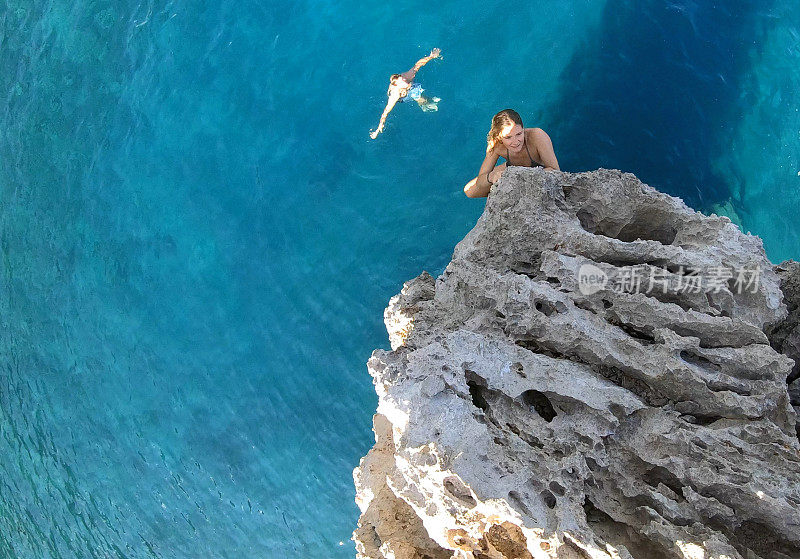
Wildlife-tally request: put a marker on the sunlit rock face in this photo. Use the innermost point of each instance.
(590, 377)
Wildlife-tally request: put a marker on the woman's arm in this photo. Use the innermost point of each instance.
(480, 186)
(389, 106)
(544, 149)
(410, 74)
(423, 61)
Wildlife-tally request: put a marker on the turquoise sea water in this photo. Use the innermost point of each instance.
(199, 238)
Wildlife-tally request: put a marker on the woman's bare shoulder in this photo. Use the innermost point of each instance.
(497, 150)
(536, 133)
(537, 137)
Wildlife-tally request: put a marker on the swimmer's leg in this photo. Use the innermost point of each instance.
(428, 104)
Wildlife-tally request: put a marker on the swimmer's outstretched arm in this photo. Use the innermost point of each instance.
(480, 186)
(409, 75)
(393, 98)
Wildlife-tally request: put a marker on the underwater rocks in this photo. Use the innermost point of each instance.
(590, 377)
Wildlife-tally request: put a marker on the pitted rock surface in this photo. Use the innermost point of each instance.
(785, 336)
(523, 415)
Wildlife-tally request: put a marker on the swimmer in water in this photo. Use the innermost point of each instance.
(519, 146)
(402, 86)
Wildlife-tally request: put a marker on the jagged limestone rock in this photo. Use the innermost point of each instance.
(785, 336)
(528, 412)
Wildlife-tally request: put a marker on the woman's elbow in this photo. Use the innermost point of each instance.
(475, 192)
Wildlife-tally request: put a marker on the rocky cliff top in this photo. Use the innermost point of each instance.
(591, 377)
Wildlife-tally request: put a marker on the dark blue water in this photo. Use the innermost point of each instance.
(199, 238)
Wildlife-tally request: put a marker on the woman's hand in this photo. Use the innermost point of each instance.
(374, 133)
(435, 52)
(495, 174)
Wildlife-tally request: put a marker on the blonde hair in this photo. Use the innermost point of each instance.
(500, 121)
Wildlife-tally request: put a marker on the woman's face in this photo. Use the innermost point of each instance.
(513, 137)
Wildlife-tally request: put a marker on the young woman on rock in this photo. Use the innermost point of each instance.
(519, 146)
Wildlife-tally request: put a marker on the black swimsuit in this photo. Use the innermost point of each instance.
(533, 163)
